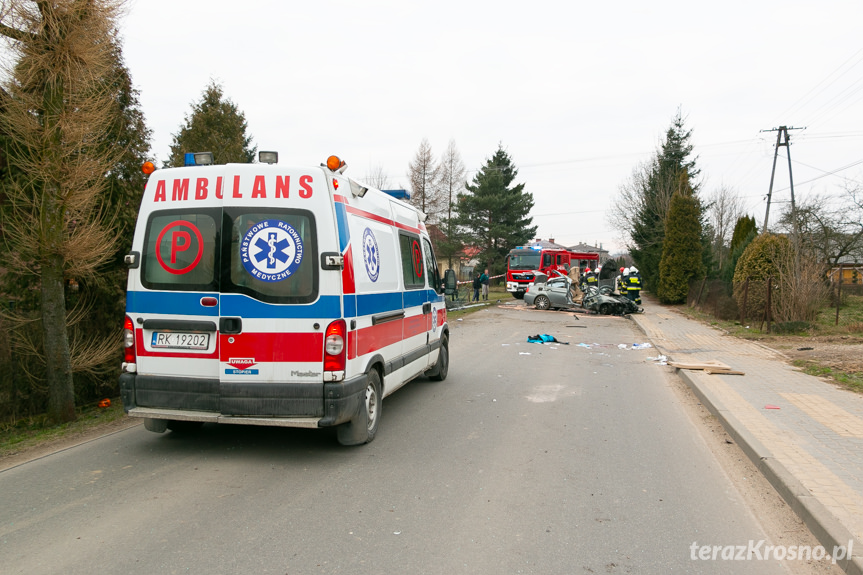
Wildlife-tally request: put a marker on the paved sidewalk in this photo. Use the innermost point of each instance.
(810, 449)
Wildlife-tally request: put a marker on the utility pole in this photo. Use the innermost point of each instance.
(781, 131)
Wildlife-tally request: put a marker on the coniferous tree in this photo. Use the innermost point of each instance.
(657, 188)
(744, 227)
(493, 214)
(682, 247)
(745, 231)
(215, 125)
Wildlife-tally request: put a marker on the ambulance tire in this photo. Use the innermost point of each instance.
(441, 368)
(362, 428)
(184, 426)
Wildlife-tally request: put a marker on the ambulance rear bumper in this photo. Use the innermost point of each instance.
(208, 400)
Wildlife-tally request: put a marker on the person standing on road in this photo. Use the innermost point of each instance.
(633, 287)
(483, 280)
(476, 286)
(620, 288)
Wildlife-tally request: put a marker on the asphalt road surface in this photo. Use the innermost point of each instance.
(566, 460)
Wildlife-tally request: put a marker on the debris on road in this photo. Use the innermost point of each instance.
(711, 367)
(634, 346)
(544, 338)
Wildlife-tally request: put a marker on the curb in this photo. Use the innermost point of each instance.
(820, 521)
(826, 528)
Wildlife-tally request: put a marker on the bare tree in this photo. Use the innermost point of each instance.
(724, 207)
(56, 112)
(830, 230)
(452, 173)
(424, 176)
(377, 178)
(635, 202)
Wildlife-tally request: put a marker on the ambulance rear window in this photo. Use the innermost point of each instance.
(180, 250)
(273, 255)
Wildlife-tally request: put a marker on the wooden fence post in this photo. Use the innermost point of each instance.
(839, 293)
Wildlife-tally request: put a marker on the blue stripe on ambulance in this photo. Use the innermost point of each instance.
(327, 307)
(183, 303)
(342, 225)
(173, 303)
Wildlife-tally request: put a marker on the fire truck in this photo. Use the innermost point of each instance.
(524, 262)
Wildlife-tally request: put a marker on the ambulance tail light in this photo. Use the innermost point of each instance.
(334, 351)
(130, 358)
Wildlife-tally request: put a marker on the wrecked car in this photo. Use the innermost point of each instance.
(550, 293)
(605, 302)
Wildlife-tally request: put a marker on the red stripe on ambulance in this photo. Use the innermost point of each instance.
(274, 347)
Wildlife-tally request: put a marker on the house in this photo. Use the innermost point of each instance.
(464, 262)
(585, 248)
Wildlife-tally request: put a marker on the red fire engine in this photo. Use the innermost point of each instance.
(524, 263)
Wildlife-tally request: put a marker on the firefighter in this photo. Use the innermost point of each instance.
(590, 278)
(621, 287)
(633, 285)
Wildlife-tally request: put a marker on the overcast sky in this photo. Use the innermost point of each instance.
(578, 93)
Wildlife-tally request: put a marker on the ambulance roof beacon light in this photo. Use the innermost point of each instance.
(148, 168)
(204, 158)
(268, 157)
(336, 164)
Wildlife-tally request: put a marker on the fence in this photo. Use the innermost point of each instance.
(767, 305)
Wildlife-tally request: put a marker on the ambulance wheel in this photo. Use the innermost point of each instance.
(442, 366)
(364, 426)
(184, 426)
(542, 302)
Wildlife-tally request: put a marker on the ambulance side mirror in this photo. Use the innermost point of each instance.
(132, 260)
(449, 282)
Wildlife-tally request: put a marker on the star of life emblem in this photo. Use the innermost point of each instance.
(271, 250)
(371, 255)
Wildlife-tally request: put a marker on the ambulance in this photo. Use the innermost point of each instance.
(276, 296)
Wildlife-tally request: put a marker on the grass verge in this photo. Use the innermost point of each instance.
(853, 381)
(32, 431)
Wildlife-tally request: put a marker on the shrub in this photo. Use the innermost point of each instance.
(759, 261)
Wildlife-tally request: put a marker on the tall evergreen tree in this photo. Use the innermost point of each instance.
(659, 184)
(744, 227)
(682, 247)
(745, 231)
(215, 125)
(493, 214)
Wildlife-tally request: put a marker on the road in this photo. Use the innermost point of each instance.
(566, 460)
